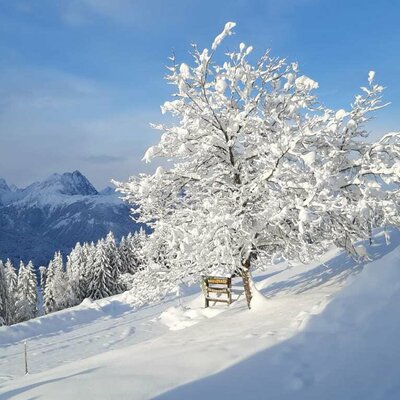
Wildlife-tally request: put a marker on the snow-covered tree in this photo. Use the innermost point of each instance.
(114, 263)
(132, 257)
(131, 252)
(101, 277)
(12, 284)
(49, 302)
(4, 300)
(90, 253)
(56, 294)
(260, 168)
(26, 304)
(76, 271)
(138, 242)
(125, 255)
(43, 277)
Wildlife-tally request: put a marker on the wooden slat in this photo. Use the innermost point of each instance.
(218, 281)
(217, 290)
(217, 299)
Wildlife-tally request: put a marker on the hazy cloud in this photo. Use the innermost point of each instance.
(104, 159)
(51, 121)
(77, 12)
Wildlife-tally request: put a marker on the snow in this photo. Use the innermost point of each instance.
(68, 183)
(185, 71)
(226, 32)
(305, 83)
(177, 318)
(4, 186)
(371, 77)
(309, 158)
(323, 331)
(340, 114)
(348, 350)
(220, 85)
(59, 190)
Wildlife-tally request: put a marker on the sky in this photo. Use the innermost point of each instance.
(81, 80)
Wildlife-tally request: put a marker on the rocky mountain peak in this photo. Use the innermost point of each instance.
(68, 183)
(3, 186)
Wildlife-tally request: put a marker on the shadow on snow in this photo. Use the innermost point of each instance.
(14, 392)
(336, 270)
(345, 352)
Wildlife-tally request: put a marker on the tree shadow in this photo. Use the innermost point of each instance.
(336, 270)
(14, 392)
(348, 351)
(262, 277)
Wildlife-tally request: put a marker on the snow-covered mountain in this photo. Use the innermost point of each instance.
(3, 186)
(54, 214)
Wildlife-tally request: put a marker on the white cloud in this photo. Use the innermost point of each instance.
(78, 12)
(29, 89)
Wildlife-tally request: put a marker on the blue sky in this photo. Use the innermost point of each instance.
(80, 80)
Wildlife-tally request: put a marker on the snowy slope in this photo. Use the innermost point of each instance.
(308, 340)
(54, 214)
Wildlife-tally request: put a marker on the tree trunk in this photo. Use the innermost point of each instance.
(246, 282)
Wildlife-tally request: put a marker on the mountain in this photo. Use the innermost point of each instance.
(3, 186)
(69, 184)
(54, 214)
(5, 191)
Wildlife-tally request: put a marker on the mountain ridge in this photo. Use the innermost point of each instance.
(55, 213)
(68, 183)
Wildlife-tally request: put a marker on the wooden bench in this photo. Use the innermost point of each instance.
(218, 285)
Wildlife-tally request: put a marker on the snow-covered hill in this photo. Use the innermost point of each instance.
(54, 214)
(327, 330)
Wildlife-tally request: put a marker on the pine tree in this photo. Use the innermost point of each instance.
(49, 302)
(76, 272)
(4, 300)
(137, 243)
(89, 260)
(114, 263)
(62, 284)
(81, 271)
(90, 256)
(71, 273)
(12, 284)
(131, 252)
(56, 294)
(124, 255)
(131, 247)
(43, 277)
(26, 305)
(101, 282)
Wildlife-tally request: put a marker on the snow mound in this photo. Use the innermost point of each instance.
(177, 318)
(63, 321)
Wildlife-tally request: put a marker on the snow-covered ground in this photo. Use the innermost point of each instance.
(308, 340)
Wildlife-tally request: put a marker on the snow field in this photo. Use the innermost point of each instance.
(344, 349)
(307, 340)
